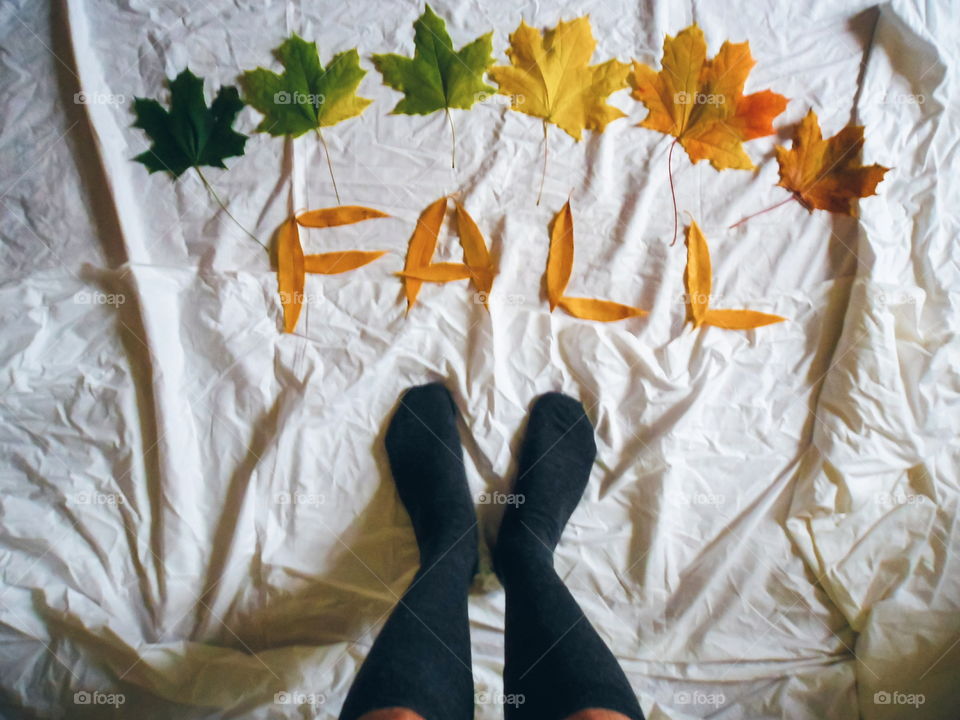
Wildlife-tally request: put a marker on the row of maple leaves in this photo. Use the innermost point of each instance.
(696, 100)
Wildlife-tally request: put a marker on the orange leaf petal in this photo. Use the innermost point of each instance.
(332, 263)
(701, 102)
(290, 273)
(340, 215)
(601, 310)
(560, 257)
(423, 243)
(438, 272)
(740, 319)
(827, 174)
(475, 254)
(699, 282)
(698, 277)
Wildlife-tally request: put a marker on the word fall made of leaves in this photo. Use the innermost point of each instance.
(479, 268)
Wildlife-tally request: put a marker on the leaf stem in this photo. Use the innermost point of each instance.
(213, 194)
(741, 221)
(326, 151)
(673, 192)
(453, 140)
(546, 148)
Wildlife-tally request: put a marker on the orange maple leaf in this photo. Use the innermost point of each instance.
(701, 102)
(827, 174)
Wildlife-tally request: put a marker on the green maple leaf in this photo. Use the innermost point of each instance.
(305, 96)
(190, 134)
(437, 77)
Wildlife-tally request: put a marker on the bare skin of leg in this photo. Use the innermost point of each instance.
(597, 714)
(391, 714)
(404, 714)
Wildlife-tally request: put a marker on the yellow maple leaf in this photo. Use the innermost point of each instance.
(549, 77)
(701, 103)
(699, 282)
(827, 174)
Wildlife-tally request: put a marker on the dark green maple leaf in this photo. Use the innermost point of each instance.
(305, 96)
(190, 134)
(437, 77)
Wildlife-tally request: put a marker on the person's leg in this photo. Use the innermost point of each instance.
(419, 665)
(404, 714)
(555, 661)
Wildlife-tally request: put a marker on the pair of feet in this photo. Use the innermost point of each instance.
(426, 460)
(555, 664)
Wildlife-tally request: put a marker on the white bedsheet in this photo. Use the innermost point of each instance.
(771, 527)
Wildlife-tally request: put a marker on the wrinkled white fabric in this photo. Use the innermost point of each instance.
(197, 514)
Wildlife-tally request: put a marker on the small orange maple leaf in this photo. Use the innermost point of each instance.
(701, 102)
(827, 174)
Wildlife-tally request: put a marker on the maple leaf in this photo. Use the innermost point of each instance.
(701, 103)
(559, 269)
(549, 78)
(190, 134)
(306, 96)
(437, 77)
(827, 174)
(293, 264)
(699, 281)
